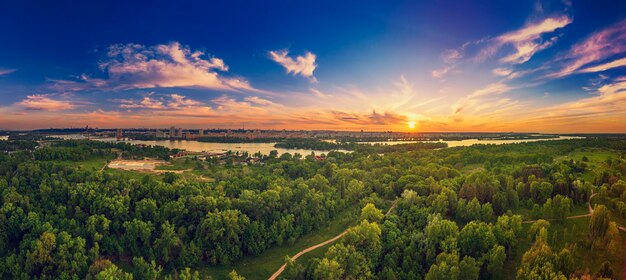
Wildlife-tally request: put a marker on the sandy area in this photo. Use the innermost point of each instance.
(147, 165)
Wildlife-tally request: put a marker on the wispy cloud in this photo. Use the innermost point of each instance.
(508, 49)
(601, 112)
(597, 47)
(4, 71)
(319, 93)
(529, 40)
(606, 66)
(45, 102)
(301, 65)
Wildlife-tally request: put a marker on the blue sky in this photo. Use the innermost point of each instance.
(547, 66)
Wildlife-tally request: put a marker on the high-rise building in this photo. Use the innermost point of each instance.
(179, 133)
(172, 132)
(118, 135)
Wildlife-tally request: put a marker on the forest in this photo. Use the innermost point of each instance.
(541, 210)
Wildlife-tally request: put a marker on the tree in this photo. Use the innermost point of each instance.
(476, 238)
(355, 190)
(541, 191)
(371, 213)
(536, 227)
(234, 276)
(599, 224)
(507, 230)
(42, 255)
(441, 235)
(448, 266)
(113, 273)
(605, 271)
(538, 261)
(328, 270)
(168, 244)
(495, 261)
(145, 270)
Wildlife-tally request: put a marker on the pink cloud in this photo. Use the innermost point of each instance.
(45, 102)
(597, 47)
(514, 47)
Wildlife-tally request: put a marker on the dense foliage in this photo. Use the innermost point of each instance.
(457, 211)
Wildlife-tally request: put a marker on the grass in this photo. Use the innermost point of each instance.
(264, 265)
(129, 173)
(178, 164)
(91, 164)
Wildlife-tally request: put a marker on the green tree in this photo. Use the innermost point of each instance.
(328, 270)
(371, 213)
(476, 238)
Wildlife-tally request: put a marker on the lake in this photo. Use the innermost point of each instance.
(265, 148)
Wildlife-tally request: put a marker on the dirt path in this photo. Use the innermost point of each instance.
(573, 217)
(393, 206)
(296, 256)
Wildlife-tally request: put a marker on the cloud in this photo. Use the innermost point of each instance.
(528, 40)
(502, 71)
(373, 118)
(606, 66)
(259, 101)
(320, 94)
(599, 46)
(178, 101)
(511, 48)
(490, 89)
(170, 102)
(133, 66)
(45, 102)
(146, 103)
(4, 71)
(604, 111)
(302, 65)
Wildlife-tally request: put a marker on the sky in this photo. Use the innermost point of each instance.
(492, 66)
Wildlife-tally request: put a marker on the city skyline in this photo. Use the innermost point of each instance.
(528, 66)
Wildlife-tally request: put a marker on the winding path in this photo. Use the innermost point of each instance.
(309, 249)
(296, 256)
(572, 217)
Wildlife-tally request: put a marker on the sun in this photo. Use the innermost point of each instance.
(411, 125)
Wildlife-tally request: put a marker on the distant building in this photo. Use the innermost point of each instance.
(172, 132)
(179, 133)
(161, 134)
(118, 135)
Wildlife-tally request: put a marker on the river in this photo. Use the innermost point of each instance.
(265, 148)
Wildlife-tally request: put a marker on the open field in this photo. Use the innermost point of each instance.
(145, 165)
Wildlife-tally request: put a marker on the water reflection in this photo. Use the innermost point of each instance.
(265, 148)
